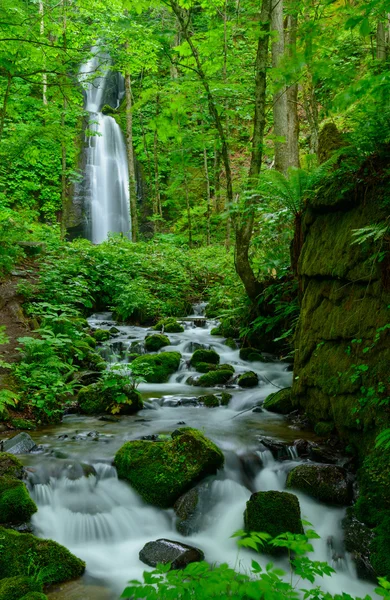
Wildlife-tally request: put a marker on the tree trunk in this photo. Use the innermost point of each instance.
(244, 227)
(130, 159)
(381, 41)
(280, 95)
(42, 32)
(64, 203)
(208, 195)
(5, 102)
(292, 97)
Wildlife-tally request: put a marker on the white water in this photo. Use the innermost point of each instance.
(106, 178)
(103, 521)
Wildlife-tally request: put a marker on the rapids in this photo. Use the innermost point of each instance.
(105, 522)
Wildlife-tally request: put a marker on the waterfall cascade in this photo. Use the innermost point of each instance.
(105, 185)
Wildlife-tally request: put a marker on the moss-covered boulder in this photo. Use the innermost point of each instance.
(205, 367)
(34, 596)
(273, 513)
(99, 398)
(101, 335)
(156, 368)
(251, 355)
(14, 588)
(162, 471)
(213, 378)
(54, 562)
(154, 343)
(169, 325)
(10, 466)
(214, 400)
(16, 505)
(204, 356)
(327, 483)
(279, 402)
(231, 343)
(248, 380)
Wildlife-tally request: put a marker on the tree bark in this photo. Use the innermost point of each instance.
(381, 40)
(42, 32)
(5, 102)
(280, 95)
(130, 158)
(292, 97)
(244, 226)
(208, 195)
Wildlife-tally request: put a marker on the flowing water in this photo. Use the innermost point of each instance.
(105, 522)
(105, 186)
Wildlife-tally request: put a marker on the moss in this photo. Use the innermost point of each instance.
(230, 343)
(23, 424)
(90, 340)
(226, 367)
(101, 335)
(211, 401)
(279, 402)
(225, 398)
(214, 378)
(10, 466)
(155, 342)
(54, 562)
(273, 513)
(374, 482)
(162, 471)
(34, 596)
(16, 505)
(327, 483)
(157, 368)
(204, 356)
(251, 355)
(14, 588)
(248, 380)
(380, 547)
(169, 325)
(96, 398)
(324, 428)
(203, 367)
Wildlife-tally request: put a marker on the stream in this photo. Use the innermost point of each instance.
(103, 521)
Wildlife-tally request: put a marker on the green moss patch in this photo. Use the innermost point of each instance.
(248, 379)
(204, 356)
(14, 588)
(169, 325)
(54, 562)
(163, 471)
(155, 342)
(327, 483)
(97, 398)
(251, 355)
(214, 378)
(279, 402)
(16, 505)
(156, 368)
(10, 466)
(101, 335)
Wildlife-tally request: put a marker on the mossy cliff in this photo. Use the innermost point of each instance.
(342, 345)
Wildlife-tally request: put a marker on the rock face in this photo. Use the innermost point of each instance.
(19, 444)
(273, 513)
(161, 471)
(156, 368)
(327, 483)
(168, 551)
(54, 562)
(279, 402)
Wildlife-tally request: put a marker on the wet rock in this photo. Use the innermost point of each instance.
(155, 342)
(164, 470)
(181, 423)
(10, 466)
(257, 409)
(21, 443)
(169, 551)
(205, 357)
(114, 330)
(327, 483)
(77, 470)
(273, 513)
(248, 380)
(278, 449)
(251, 464)
(357, 540)
(185, 509)
(279, 402)
(213, 378)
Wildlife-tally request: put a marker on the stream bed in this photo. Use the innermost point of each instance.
(104, 522)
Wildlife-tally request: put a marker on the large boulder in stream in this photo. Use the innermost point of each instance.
(273, 513)
(248, 379)
(21, 443)
(16, 505)
(202, 356)
(168, 551)
(154, 343)
(279, 402)
(161, 471)
(328, 483)
(156, 368)
(52, 561)
(213, 378)
(169, 325)
(119, 398)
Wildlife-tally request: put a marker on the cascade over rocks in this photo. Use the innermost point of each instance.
(161, 471)
(327, 483)
(167, 551)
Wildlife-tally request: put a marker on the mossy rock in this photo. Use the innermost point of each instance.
(23, 424)
(156, 368)
(225, 330)
(225, 398)
(16, 505)
(279, 402)
(248, 380)
(54, 562)
(95, 399)
(214, 378)
(34, 596)
(380, 547)
(155, 342)
(327, 483)
(251, 355)
(169, 325)
(92, 361)
(211, 401)
(90, 340)
(10, 466)
(324, 428)
(230, 343)
(14, 588)
(205, 367)
(204, 356)
(273, 513)
(162, 471)
(226, 367)
(101, 335)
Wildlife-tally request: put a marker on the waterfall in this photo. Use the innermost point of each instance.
(105, 185)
